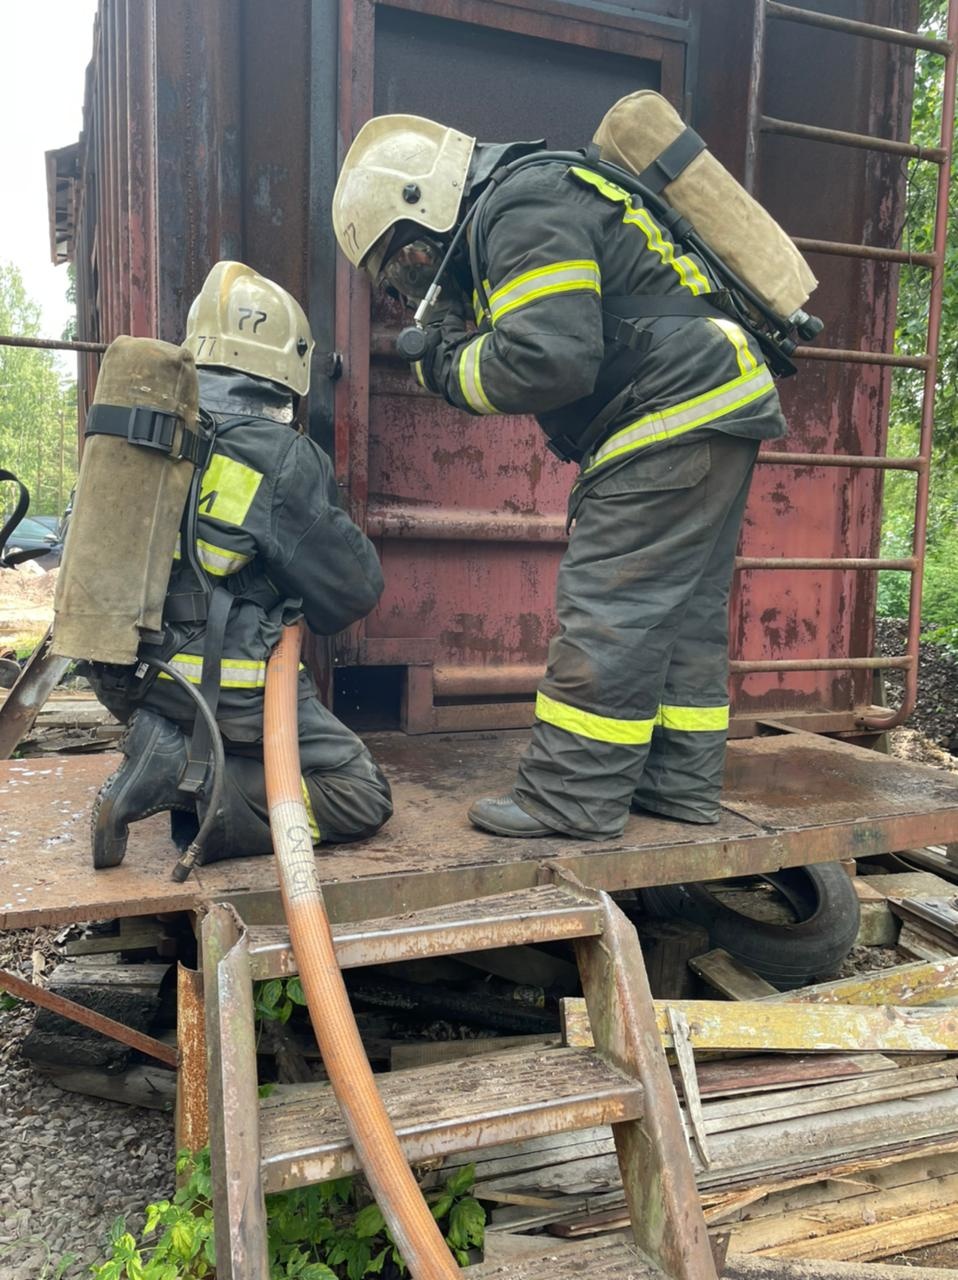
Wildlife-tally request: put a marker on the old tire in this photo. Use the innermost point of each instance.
(787, 955)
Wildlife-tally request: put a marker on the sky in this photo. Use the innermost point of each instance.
(46, 47)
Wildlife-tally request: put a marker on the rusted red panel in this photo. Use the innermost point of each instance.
(199, 144)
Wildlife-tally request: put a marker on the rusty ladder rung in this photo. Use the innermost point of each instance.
(783, 459)
(872, 254)
(740, 668)
(842, 138)
(870, 30)
(838, 354)
(842, 563)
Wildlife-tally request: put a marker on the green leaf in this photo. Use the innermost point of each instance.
(317, 1271)
(375, 1265)
(369, 1222)
(183, 1237)
(467, 1223)
(294, 989)
(8, 1002)
(265, 1090)
(461, 1180)
(441, 1205)
(269, 993)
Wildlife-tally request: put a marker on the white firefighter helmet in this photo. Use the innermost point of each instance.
(240, 320)
(399, 169)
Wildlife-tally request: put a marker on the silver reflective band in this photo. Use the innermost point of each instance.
(655, 427)
(543, 282)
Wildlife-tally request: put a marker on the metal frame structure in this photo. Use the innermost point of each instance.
(760, 124)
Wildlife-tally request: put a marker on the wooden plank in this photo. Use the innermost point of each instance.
(876, 1240)
(934, 859)
(759, 1026)
(459, 1105)
(740, 1266)
(905, 984)
(239, 1208)
(137, 1086)
(422, 1053)
(792, 1146)
(730, 977)
(922, 944)
(821, 1218)
(770, 1108)
(940, 913)
(653, 1154)
(759, 1073)
(682, 1040)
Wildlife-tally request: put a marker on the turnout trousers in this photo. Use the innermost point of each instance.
(633, 709)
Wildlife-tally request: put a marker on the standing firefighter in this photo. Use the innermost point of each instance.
(263, 539)
(593, 318)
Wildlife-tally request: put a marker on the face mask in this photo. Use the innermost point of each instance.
(412, 269)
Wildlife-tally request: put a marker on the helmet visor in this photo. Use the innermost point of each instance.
(412, 269)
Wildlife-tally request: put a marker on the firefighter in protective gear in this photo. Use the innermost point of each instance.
(663, 412)
(270, 541)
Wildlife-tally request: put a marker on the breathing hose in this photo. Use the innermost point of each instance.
(411, 1224)
(188, 860)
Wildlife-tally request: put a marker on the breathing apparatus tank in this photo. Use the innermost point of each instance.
(141, 446)
(644, 134)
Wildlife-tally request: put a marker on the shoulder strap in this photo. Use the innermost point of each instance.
(672, 162)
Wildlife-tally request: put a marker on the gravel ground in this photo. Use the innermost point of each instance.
(69, 1165)
(937, 711)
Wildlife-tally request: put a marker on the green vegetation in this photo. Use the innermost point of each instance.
(940, 605)
(38, 407)
(324, 1232)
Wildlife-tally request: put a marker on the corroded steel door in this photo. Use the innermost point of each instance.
(468, 513)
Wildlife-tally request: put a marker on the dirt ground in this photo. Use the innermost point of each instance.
(26, 604)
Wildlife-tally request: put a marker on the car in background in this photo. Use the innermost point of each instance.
(34, 533)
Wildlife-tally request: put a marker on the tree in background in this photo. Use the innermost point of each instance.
(38, 407)
(940, 605)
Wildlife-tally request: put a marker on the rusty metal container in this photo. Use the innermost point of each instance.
(215, 130)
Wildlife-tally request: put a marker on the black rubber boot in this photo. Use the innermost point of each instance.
(503, 817)
(145, 783)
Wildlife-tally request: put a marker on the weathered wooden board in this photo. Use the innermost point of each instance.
(730, 977)
(760, 1026)
(919, 983)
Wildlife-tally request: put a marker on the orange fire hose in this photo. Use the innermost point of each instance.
(397, 1193)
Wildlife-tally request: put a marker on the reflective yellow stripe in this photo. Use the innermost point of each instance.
(689, 273)
(736, 335)
(228, 490)
(235, 673)
(314, 830)
(611, 190)
(219, 560)
(470, 380)
(417, 370)
(690, 276)
(572, 276)
(694, 719)
(587, 725)
(684, 417)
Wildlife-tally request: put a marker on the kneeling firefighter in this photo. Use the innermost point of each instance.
(262, 539)
(641, 368)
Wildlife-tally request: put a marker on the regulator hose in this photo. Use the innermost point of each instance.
(410, 1222)
(189, 858)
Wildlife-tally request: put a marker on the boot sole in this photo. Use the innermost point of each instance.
(494, 829)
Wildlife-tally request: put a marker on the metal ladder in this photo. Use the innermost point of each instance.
(296, 1136)
(758, 125)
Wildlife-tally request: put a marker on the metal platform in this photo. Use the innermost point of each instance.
(790, 798)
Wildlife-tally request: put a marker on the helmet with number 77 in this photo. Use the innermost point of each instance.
(398, 169)
(240, 320)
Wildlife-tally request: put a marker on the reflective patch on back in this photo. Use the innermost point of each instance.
(228, 490)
